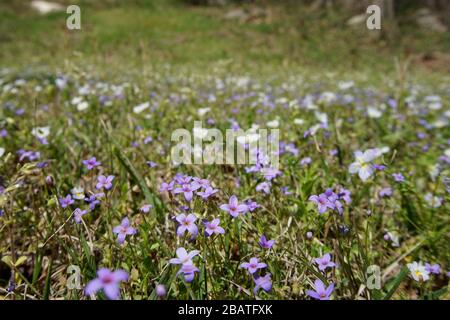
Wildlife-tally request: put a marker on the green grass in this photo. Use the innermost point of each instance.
(170, 32)
(175, 56)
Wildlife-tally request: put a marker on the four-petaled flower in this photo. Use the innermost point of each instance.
(209, 191)
(263, 282)
(108, 281)
(325, 262)
(188, 270)
(67, 201)
(91, 163)
(233, 207)
(123, 230)
(213, 227)
(186, 223)
(187, 189)
(266, 244)
(320, 293)
(253, 265)
(433, 268)
(104, 182)
(398, 177)
(363, 165)
(322, 201)
(418, 271)
(78, 214)
(183, 257)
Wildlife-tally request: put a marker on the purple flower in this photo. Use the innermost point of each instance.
(187, 189)
(123, 230)
(385, 192)
(251, 205)
(253, 265)
(305, 161)
(183, 257)
(285, 191)
(104, 182)
(182, 179)
(325, 262)
(435, 268)
(264, 187)
(270, 173)
(91, 163)
(160, 290)
(309, 235)
(78, 214)
(65, 202)
(233, 207)
(320, 293)
(379, 167)
(266, 244)
(30, 155)
(263, 282)
(93, 200)
(344, 194)
(151, 164)
(186, 223)
(148, 140)
(209, 191)
(213, 227)
(203, 183)
(188, 270)
(166, 186)
(108, 281)
(146, 208)
(322, 202)
(398, 177)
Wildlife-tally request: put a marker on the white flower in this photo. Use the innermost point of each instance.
(374, 113)
(141, 107)
(418, 271)
(299, 121)
(202, 111)
(363, 165)
(433, 201)
(440, 123)
(2, 152)
(273, 124)
(41, 132)
(344, 85)
(78, 193)
(61, 83)
(322, 117)
(76, 100)
(82, 106)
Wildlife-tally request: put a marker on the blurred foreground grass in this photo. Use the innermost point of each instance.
(287, 35)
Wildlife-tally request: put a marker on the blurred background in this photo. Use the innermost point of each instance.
(258, 34)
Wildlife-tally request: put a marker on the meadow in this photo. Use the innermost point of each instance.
(92, 205)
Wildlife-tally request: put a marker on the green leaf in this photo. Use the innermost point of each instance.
(394, 284)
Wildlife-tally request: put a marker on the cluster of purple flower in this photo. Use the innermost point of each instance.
(331, 200)
(189, 186)
(188, 269)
